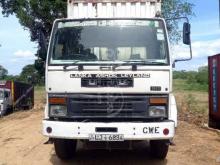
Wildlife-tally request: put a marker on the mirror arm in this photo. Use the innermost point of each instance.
(190, 45)
(186, 59)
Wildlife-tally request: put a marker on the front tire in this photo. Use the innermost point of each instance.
(65, 148)
(214, 123)
(159, 148)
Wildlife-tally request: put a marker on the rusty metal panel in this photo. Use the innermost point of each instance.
(214, 90)
(5, 84)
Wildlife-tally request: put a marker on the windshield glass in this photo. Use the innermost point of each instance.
(109, 41)
(1, 94)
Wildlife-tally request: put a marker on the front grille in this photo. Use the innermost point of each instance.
(107, 82)
(108, 106)
(155, 88)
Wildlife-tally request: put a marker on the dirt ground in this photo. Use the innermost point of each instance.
(21, 142)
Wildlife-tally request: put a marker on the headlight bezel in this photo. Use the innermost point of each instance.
(59, 108)
(158, 107)
(157, 111)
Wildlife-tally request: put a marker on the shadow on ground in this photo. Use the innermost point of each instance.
(139, 155)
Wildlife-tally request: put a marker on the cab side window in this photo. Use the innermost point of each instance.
(7, 94)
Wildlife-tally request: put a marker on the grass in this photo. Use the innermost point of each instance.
(39, 94)
(192, 101)
(183, 85)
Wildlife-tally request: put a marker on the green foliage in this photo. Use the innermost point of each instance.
(191, 77)
(30, 75)
(36, 15)
(183, 85)
(179, 74)
(173, 9)
(202, 75)
(191, 80)
(27, 73)
(11, 77)
(193, 109)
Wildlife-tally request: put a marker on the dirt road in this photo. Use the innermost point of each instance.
(21, 142)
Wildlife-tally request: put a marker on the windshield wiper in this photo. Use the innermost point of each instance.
(154, 62)
(68, 65)
(135, 63)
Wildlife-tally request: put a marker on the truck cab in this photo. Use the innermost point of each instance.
(109, 77)
(15, 96)
(5, 100)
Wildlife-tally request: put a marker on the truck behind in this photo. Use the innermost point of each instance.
(15, 95)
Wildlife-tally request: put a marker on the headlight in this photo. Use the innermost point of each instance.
(58, 110)
(157, 111)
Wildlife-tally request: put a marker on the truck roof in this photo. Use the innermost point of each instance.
(113, 8)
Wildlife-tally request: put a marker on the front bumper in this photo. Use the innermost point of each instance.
(130, 130)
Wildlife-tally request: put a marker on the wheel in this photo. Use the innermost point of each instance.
(159, 148)
(65, 148)
(214, 123)
(9, 110)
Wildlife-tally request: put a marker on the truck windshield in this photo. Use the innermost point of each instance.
(102, 41)
(1, 94)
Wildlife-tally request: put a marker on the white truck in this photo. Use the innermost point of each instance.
(109, 76)
(5, 101)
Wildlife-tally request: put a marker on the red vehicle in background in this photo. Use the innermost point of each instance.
(214, 91)
(15, 95)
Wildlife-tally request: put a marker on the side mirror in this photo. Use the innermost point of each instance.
(186, 33)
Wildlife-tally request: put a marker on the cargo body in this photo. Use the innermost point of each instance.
(109, 76)
(78, 9)
(15, 95)
(214, 91)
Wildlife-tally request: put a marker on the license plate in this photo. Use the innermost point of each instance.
(106, 137)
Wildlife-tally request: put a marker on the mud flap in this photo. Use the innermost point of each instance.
(173, 113)
(49, 141)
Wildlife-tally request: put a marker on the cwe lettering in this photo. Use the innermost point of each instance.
(151, 130)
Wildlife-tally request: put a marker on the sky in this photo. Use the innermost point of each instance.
(16, 50)
(205, 35)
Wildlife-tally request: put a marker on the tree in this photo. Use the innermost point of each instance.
(202, 76)
(29, 74)
(172, 9)
(3, 72)
(35, 15)
(40, 14)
